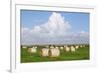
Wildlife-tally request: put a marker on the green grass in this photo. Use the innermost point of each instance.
(79, 54)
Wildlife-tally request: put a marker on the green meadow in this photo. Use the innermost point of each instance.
(82, 53)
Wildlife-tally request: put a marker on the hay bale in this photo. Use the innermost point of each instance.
(35, 47)
(76, 46)
(24, 47)
(51, 47)
(45, 52)
(67, 49)
(54, 52)
(47, 46)
(56, 47)
(72, 49)
(81, 46)
(32, 50)
(61, 48)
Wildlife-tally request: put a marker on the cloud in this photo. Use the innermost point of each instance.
(56, 25)
(55, 30)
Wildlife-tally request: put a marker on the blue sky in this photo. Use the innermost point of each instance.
(78, 21)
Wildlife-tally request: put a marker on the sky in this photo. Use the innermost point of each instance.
(51, 27)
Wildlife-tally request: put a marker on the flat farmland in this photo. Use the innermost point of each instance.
(82, 53)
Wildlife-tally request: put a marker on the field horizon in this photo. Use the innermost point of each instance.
(82, 53)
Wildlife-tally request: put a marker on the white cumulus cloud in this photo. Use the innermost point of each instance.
(55, 30)
(56, 25)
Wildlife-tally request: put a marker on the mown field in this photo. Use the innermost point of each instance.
(80, 54)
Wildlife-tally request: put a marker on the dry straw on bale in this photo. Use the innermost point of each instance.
(77, 47)
(61, 48)
(24, 47)
(72, 49)
(54, 52)
(67, 49)
(32, 50)
(51, 47)
(81, 46)
(47, 46)
(45, 52)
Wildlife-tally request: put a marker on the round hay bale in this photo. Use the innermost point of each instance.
(24, 47)
(54, 52)
(67, 49)
(45, 52)
(51, 47)
(57, 47)
(47, 46)
(72, 49)
(32, 50)
(35, 47)
(61, 48)
(81, 46)
(76, 46)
